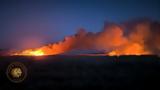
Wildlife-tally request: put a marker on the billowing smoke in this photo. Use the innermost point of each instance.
(130, 38)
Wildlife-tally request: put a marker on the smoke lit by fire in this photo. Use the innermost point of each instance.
(132, 38)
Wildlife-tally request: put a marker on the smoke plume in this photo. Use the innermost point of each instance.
(135, 37)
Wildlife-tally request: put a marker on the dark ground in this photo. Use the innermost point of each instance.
(85, 72)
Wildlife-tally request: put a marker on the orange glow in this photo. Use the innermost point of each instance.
(112, 39)
(37, 53)
(30, 53)
(133, 49)
(113, 53)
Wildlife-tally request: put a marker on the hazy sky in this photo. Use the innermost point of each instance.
(30, 23)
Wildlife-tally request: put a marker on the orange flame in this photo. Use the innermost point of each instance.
(31, 53)
(111, 38)
(134, 49)
(37, 53)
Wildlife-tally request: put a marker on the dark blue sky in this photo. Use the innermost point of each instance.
(36, 22)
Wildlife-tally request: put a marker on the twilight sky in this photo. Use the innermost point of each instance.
(31, 23)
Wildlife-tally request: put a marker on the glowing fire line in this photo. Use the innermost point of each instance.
(31, 53)
(139, 41)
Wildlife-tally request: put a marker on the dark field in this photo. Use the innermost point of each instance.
(85, 72)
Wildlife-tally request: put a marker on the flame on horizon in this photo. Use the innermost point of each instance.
(139, 37)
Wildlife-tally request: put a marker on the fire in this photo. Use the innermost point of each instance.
(30, 52)
(139, 39)
(113, 53)
(134, 49)
(37, 53)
